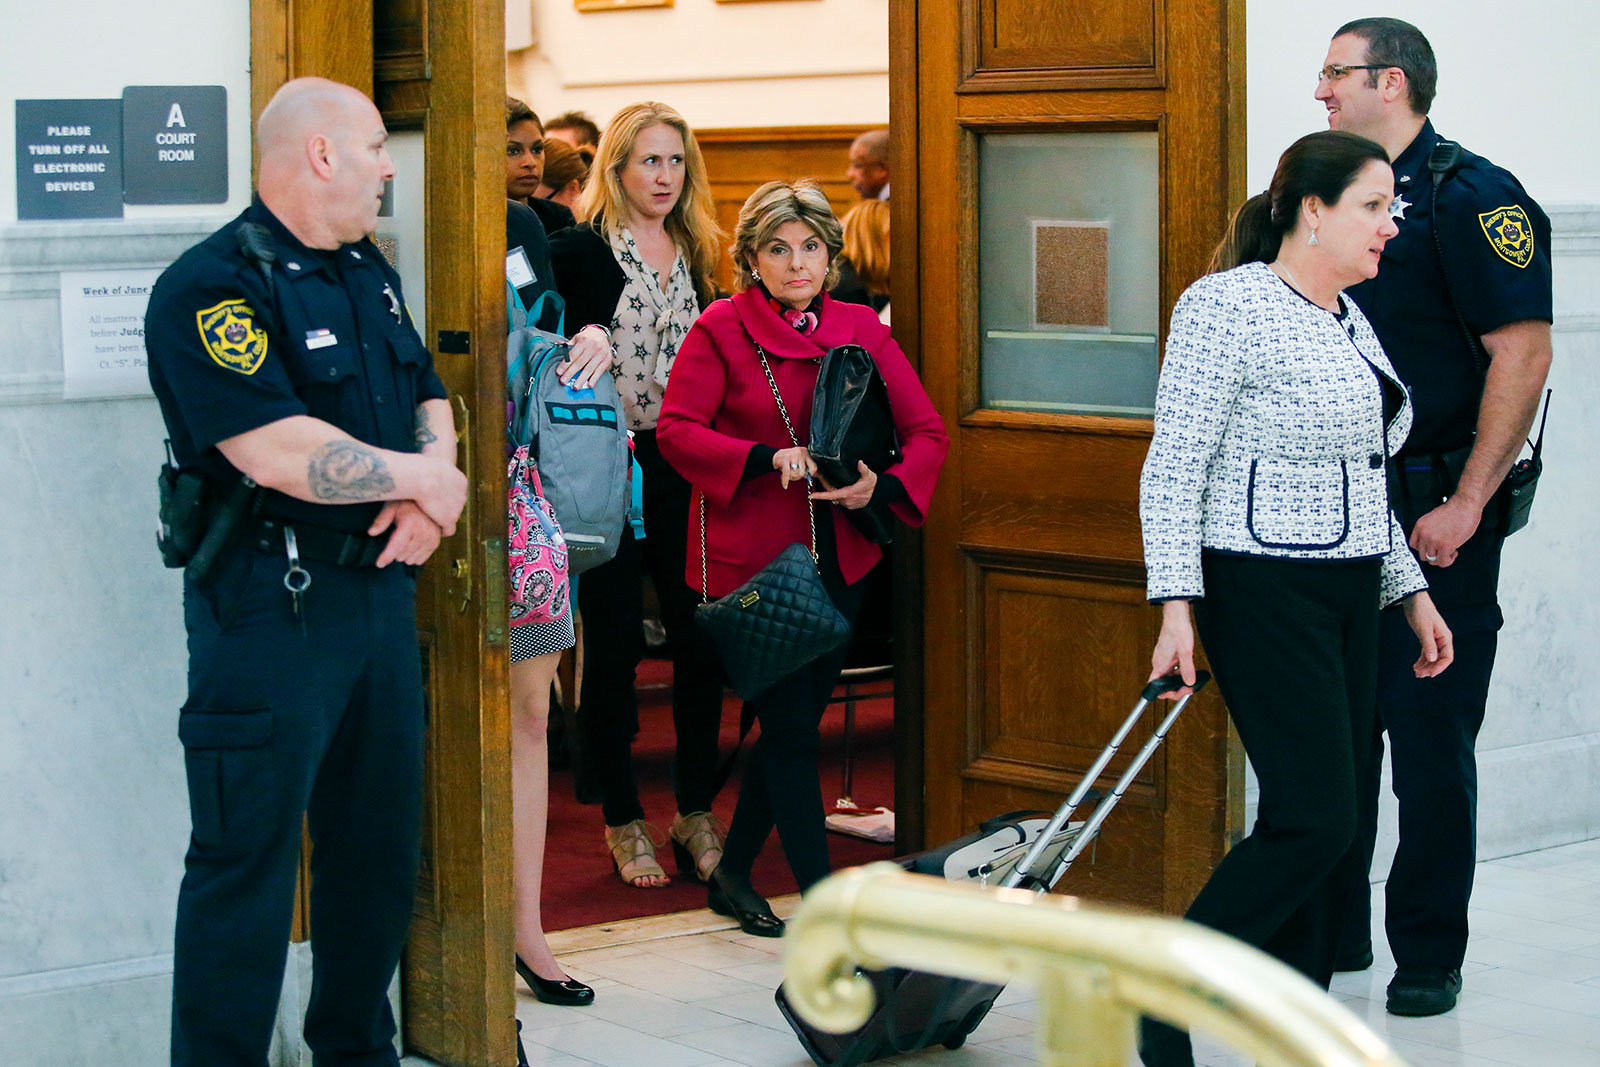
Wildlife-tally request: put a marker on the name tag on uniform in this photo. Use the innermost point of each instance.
(519, 271)
(320, 339)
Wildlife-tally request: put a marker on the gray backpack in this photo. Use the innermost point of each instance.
(577, 436)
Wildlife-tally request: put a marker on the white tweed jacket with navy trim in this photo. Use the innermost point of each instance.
(1269, 437)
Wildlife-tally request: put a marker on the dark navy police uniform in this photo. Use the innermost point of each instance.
(1496, 245)
(318, 714)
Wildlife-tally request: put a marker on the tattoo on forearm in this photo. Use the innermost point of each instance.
(425, 434)
(349, 471)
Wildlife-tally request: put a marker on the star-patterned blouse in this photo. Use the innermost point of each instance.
(646, 329)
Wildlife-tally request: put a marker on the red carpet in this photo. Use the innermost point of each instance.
(580, 886)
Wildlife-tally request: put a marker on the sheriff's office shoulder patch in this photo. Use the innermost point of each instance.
(231, 336)
(1509, 234)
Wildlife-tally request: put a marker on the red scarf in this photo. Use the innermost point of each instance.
(804, 322)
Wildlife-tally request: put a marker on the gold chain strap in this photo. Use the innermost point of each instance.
(811, 510)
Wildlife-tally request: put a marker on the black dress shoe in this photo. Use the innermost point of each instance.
(1424, 990)
(522, 1055)
(568, 992)
(738, 900)
(1358, 958)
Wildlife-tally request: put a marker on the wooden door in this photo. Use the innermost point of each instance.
(1037, 633)
(436, 68)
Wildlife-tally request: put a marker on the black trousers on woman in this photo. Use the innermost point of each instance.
(780, 786)
(1294, 647)
(611, 600)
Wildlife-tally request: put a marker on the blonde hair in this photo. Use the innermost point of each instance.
(866, 243)
(692, 223)
(768, 208)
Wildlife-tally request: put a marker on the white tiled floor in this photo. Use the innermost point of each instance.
(1531, 997)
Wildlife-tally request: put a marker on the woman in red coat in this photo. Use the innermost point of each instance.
(720, 427)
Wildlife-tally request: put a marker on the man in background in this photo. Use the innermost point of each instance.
(869, 165)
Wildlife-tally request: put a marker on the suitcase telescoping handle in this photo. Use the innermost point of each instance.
(1023, 874)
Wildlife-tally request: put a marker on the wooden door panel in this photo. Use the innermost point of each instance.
(1037, 633)
(1014, 44)
(738, 161)
(1052, 492)
(1054, 689)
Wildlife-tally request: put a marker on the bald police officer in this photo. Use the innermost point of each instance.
(1473, 411)
(281, 352)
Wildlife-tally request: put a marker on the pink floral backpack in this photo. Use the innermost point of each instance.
(536, 551)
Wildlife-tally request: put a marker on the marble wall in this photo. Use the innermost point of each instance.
(91, 678)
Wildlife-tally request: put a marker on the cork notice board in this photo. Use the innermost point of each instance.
(1070, 273)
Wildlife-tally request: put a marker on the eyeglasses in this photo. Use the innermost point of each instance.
(1336, 71)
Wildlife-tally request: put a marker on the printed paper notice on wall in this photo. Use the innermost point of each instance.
(1071, 273)
(102, 333)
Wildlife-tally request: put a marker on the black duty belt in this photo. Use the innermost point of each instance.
(314, 542)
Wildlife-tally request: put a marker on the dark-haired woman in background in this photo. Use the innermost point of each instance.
(1264, 503)
(536, 647)
(640, 266)
(566, 172)
(525, 166)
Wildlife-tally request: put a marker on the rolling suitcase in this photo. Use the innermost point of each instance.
(1024, 849)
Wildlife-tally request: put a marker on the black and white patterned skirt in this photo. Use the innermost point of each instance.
(538, 638)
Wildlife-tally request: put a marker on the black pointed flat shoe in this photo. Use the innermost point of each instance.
(743, 904)
(568, 992)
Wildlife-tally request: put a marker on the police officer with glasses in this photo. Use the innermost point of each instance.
(1462, 304)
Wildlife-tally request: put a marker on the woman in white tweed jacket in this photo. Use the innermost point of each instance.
(1265, 507)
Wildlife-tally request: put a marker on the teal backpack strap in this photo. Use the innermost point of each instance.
(535, 315)
(636, 501)
(517, 314)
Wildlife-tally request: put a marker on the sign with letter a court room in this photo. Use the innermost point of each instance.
(69, 159)
(175, 144)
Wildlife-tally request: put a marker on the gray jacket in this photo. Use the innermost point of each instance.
(1269, 437)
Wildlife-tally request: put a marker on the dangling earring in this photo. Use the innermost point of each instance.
(1312, 240)
(755, 274)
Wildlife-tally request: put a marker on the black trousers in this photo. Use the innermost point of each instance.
(1294, 648)
(1433, 726)
(781, 787)
(611, 600)
(280, 724)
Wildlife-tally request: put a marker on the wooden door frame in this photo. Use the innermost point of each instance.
(458, 981)
(910, 800)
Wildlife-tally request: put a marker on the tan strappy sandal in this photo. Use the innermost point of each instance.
(697, 843)
(633, 853)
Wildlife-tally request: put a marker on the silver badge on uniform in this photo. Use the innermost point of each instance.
(394, 303)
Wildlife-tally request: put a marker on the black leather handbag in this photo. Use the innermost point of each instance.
(851, 421)
(782, 618)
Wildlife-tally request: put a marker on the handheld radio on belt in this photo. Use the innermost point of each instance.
(197, 520)
(1516, 495)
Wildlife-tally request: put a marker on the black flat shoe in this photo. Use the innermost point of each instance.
(744, 904)
(568, 992)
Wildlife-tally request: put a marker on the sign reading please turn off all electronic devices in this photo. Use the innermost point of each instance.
(159, 144)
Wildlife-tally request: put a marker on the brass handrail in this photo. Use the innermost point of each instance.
(1096, 970)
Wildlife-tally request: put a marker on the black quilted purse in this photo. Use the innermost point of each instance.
(782, 618)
